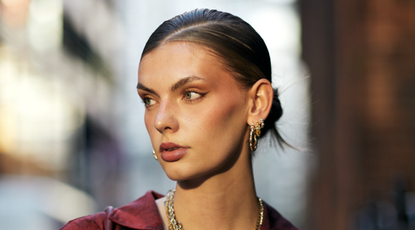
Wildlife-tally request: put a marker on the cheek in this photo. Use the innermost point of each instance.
(149, 122)
(214, 123)
(228, 109)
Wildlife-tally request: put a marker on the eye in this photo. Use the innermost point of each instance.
(192, 95)
(148, 102)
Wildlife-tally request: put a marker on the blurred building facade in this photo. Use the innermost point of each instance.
(361, 55)
(59, 156)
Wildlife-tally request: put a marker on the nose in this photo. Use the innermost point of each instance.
(166, 118)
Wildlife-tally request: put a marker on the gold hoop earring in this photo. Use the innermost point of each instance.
(154, 155)
(255, 132)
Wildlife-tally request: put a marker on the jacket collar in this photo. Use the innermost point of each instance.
(143, 214)
(139, 214)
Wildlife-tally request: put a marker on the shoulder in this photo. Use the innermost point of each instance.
(275, 221)
(91, 222)
(139, 214)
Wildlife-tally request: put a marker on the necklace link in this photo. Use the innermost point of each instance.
(176, 225)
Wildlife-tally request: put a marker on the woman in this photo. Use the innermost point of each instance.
(205, 80)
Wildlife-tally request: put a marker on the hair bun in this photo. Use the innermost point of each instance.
(275, 113)
(276, 109)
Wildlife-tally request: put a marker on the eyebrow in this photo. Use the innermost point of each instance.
(142, 87)
(184, 81)
(174, 87)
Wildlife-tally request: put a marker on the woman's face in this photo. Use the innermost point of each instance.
(196, 113)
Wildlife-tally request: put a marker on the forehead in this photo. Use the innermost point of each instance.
(178, 48)
(178, 58)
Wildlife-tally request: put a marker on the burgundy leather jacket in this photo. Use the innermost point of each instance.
(143, 214)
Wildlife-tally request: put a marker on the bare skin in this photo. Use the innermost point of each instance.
(193, 102)
(163, 215)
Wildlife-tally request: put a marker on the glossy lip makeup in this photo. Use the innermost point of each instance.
(172, 152)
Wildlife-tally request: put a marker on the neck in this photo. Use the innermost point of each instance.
(223, 201)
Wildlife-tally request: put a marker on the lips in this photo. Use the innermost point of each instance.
(172, 152)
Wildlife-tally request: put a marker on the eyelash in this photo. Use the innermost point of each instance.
(144, 101)
(201, 95)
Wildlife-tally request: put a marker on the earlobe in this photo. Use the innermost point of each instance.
(261, 95)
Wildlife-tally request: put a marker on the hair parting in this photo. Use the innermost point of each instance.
(237, 45)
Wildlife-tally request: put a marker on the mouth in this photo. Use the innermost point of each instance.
(171, 149)
(169, 146)
(171, 152)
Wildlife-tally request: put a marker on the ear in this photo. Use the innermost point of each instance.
(261, 95)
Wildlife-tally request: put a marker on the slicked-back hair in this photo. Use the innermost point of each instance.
(237, 45)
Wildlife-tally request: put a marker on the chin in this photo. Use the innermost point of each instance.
(187, 178)
(181, 173)
(179, 176)
(175, 174)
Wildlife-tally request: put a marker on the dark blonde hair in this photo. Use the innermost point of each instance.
(237, 45)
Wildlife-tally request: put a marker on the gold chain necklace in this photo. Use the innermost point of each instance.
(176, 225)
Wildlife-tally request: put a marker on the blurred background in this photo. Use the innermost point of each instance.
(72, 135)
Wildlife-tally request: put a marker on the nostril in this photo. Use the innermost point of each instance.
(165, 119)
